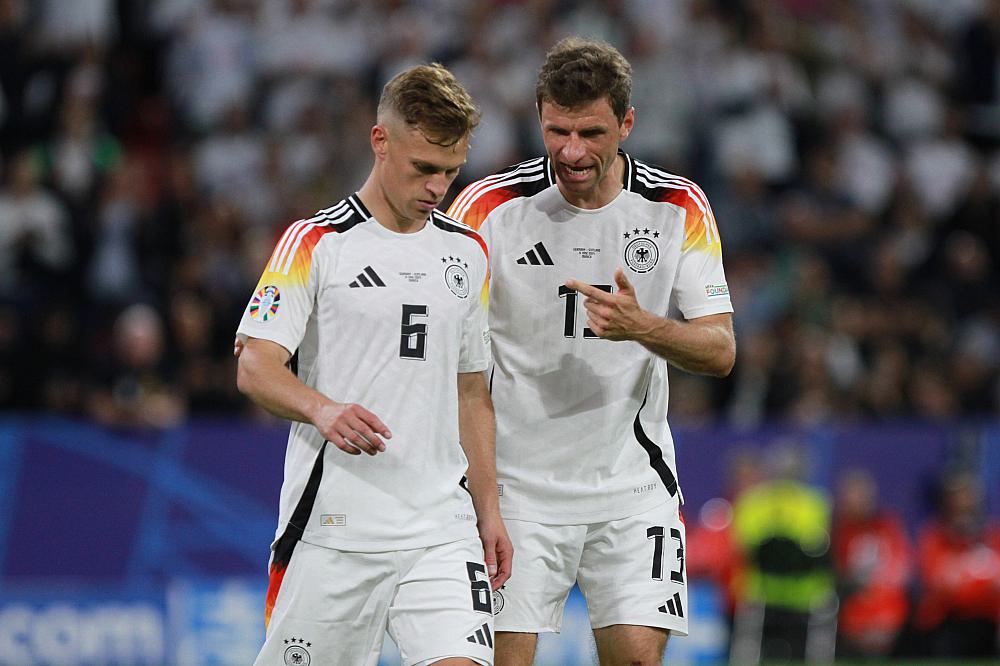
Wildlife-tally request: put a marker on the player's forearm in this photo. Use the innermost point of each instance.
(477, 433)
(272, 386)
(701, 347)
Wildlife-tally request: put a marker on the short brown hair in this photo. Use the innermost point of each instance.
(578, 71)
(430, 98)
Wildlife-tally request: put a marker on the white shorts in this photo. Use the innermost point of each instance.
(333, 607)
(631, 571)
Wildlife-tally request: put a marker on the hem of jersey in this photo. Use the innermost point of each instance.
(674, 627)
(706, 310)
(473, 367)
(288, 344)
(526, 629)
(423, 541)
(587, 518)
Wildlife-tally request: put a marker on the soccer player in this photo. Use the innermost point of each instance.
(390, 461)
(604, 269)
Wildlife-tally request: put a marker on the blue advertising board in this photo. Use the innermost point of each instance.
(150, 547)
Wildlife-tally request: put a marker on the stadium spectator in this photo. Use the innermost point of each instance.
(878, 122)
(959, 551)
(872, 559)
(788, 602)
(36, 246)
(135, 385)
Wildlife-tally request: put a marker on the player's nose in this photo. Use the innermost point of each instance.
(438, 186)
(573, 150)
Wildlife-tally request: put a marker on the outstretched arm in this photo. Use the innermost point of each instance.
(477, 432)
(263, 376)
(704, 345)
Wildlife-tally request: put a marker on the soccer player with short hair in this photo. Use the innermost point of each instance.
(604, 269)
(381, 298)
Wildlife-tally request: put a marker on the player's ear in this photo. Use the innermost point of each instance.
(380, 140)
(627, 122)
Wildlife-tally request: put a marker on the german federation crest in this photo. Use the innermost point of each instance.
(641, 254)
(297, 654)
(497, 601)
(456, 277)
(264, 305)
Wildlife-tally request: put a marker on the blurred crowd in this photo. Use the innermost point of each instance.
(806, 576)
(153, 150)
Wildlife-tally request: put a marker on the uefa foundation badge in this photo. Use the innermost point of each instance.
(264, 306)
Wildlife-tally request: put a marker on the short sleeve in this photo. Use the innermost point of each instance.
(285, 295)
(474, 354)
(700, 287)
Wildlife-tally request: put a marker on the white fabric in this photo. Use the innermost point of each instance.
(351, 345)
(614, 564)
(336, 606)
(580, 420)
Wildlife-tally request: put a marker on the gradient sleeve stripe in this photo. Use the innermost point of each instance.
(288, 246)
(298, 264)
(699, 222)
(472, 194)
(655, 177)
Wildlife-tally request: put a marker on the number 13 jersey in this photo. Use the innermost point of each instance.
(387, 321)
(582, 434)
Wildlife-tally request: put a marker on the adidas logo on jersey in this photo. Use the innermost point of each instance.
(367, 278)
(482, 636)
(537, 256)
(673, 606)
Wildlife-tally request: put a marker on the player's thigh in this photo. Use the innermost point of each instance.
(546, 558)
(443, 605)
(630, 645)
(331, 607)
(632, 571)
(515, 648)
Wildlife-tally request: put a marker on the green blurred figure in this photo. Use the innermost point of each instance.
(789, 604)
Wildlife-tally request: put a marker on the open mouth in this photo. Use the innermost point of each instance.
(577, 173)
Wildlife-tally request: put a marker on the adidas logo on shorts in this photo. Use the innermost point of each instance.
(482, 636)
(673, 606)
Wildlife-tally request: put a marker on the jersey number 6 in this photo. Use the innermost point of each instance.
(413, 337)
(482, 598)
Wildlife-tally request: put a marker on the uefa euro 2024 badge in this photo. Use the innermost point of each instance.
(641, 253)
(264, 306)
(296, 653)
(456, 276)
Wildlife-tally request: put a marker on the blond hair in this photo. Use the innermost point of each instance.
(430, 99)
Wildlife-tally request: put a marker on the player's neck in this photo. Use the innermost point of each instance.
(378, 205)
(605, 191)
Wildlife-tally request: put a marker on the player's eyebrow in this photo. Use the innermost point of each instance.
(427, 167)
(590, 129)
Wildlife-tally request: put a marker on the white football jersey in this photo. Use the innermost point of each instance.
(582, 431)
(385, 320)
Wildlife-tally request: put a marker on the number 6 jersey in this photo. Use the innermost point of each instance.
(582, 434)
(385, 320)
